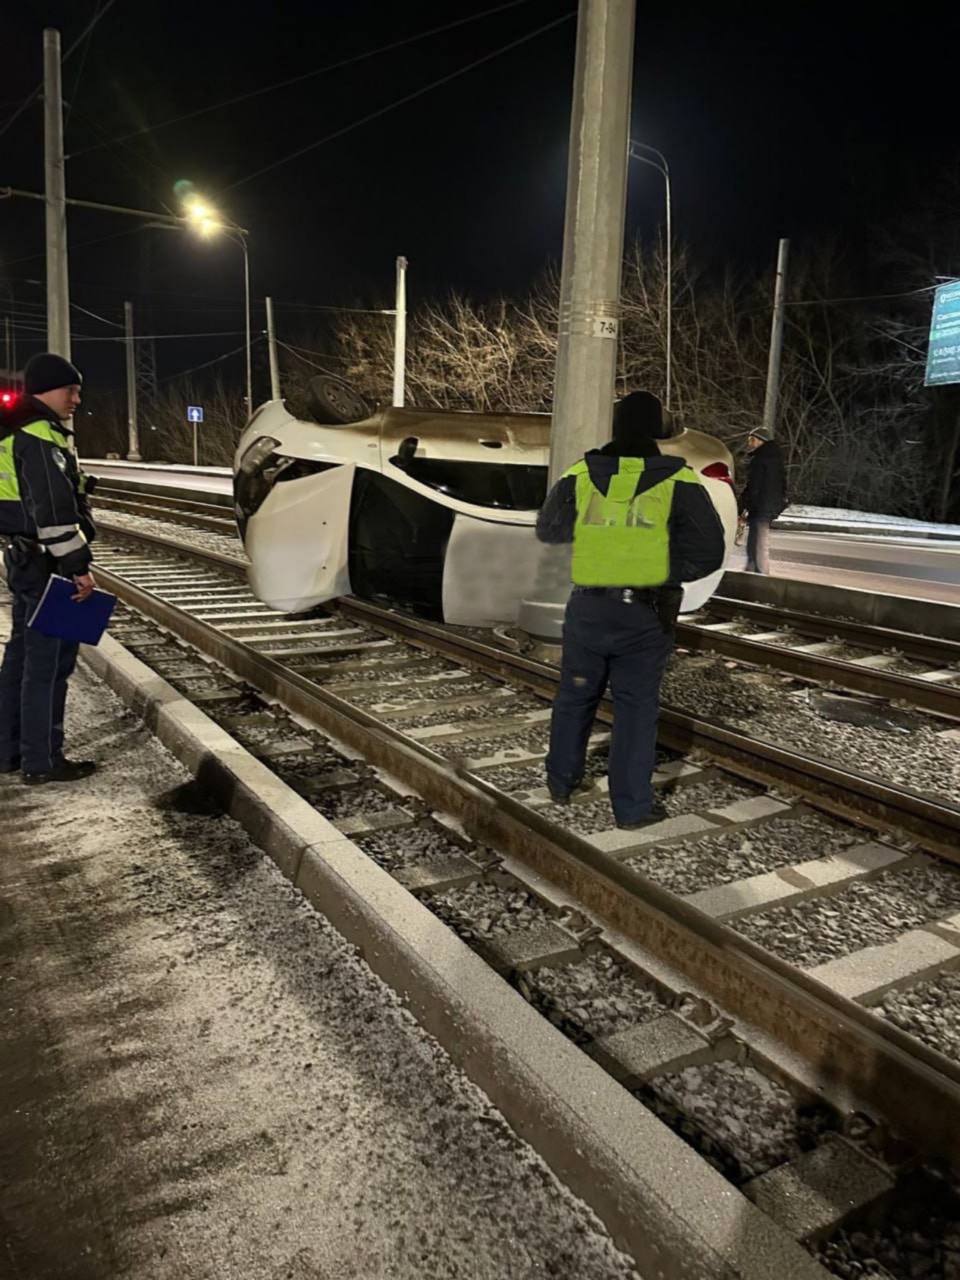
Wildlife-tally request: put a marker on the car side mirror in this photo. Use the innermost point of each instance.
(407, 452)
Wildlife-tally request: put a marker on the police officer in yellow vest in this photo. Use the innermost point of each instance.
(641, 524)
(46, 526)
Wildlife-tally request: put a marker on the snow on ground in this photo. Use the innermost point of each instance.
(840, 515)
(201, 1080)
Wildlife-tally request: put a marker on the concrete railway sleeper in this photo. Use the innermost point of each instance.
(701, 1012)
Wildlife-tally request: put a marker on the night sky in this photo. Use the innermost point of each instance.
(781, 120)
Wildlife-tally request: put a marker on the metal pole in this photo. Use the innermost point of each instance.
(58, 289)
(167, 219)
(592, 266)
(272, 349)
(669, 388)
(246, 303)
(133, 434)
(7, 357)
(776, 342)
(400, 336)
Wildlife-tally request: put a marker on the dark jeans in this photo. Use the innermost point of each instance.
(607, 641)
(34, 674)
(758, 544)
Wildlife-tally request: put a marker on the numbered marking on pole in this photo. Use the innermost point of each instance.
(604, 327)
(194, 413)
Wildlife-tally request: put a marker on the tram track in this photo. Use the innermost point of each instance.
(408, 700)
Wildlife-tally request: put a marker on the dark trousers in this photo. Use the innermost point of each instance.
(33, 675)
(608, 641)
(758, 544)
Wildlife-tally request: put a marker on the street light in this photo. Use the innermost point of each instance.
(204, 219)
(659, 162)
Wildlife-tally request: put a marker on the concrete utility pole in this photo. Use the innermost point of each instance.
(593, 231)
(133, 432)
(400, 335)
(776, 342)
(58, 288)
(272, 349)
(592, 265)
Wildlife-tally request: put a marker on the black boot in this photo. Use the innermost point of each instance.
(658, 812)
(62, 771)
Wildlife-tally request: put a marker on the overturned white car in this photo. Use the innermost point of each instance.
(430, 512)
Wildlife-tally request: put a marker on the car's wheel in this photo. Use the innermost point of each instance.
(334, 403)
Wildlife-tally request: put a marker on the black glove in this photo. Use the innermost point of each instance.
(89, 484)
(669, 600)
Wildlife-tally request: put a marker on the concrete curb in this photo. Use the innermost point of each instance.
(675, 1215)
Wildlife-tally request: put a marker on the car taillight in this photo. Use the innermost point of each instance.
(718, 471)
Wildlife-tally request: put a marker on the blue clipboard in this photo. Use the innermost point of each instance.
(61, 617)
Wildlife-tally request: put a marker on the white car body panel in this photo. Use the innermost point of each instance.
(298, 539)
(297, 542)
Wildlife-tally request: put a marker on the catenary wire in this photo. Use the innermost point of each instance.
(206, 365)
(306, 75)
(70, 101)
(399, 102)
(35, 93)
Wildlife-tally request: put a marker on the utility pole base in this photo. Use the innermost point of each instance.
(541, 614)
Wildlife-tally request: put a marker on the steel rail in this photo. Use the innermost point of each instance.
(875, 681)
(925, 648)
(843, 792)
(850, 1048)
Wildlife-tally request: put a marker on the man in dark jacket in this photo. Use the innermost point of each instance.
(641, 524)
(46, 524)
(764, 497)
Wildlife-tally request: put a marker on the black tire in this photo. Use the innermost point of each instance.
(334, 403)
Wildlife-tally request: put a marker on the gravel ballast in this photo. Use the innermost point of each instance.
(782, 712)
(866, 914)
(595, 998)
(930, 1011)
(916, 1238)
(202, 1080)
(738, 1119)
(736, 855)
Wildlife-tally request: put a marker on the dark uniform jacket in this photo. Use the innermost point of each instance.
(697, 545)
(43, 492)
(765, 493)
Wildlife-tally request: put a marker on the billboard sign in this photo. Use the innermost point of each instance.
(943, 354)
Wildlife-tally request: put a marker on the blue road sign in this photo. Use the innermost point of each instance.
(943, 354)
(194, 413)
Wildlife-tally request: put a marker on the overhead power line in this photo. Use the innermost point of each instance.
(206, 365)
(68, 106)
(299, 79)
(32, 97)
(399, 102)
(869, 297)
(152, 337)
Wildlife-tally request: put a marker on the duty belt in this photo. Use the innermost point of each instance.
(628, 595)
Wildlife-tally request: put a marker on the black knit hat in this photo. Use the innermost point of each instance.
(637, 419)
(47, 372)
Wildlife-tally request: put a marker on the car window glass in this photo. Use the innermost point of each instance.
(505, 486)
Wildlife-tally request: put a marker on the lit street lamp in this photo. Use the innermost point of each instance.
(659, 162)
(205, 220)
